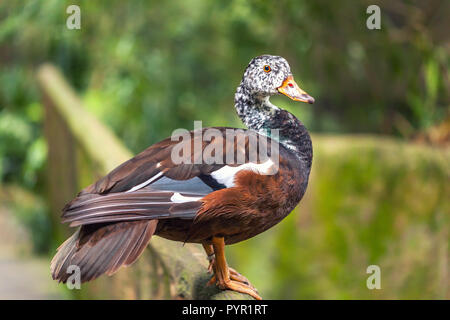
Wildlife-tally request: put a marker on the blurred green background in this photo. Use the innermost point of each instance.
(146, 68)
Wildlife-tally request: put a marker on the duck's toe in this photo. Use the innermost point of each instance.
(239, 287)
(234, 275)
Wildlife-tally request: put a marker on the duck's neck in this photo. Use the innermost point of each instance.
(260, 115)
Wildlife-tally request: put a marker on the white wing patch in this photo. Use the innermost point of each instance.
(143, 184)
(226, 174)
(178, 198)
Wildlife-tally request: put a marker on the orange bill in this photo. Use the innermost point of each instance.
(291, 89)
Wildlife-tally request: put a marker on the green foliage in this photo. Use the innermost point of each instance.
(32, 213)
(35, 218)
(22, 147)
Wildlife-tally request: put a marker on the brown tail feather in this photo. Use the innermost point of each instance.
(102, 248)
(139, 205)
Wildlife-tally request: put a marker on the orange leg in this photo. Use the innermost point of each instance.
(225, 277)
(209, 255)
(234, 275)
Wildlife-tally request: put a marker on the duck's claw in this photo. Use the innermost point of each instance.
(234, 275)
(211, 264)
(239, 287)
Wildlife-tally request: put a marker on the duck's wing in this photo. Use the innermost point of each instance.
(152, 185)
(119, 213)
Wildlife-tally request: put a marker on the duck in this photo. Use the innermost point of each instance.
(206, 186)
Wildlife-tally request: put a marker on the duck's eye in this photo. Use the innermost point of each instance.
(267, 68)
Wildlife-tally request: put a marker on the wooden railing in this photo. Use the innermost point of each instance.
(80, 150)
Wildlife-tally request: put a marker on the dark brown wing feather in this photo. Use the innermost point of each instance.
(145, 165)
(102, 248)
(144, 204)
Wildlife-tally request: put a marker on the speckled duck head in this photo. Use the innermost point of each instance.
(265, 76)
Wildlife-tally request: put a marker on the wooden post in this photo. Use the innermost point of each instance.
(61, 166)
